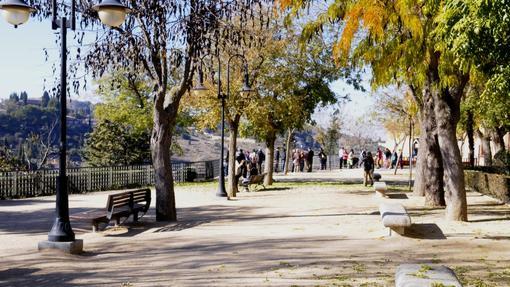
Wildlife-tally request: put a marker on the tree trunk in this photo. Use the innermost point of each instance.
(288, 151)
(471, 138)
(269, 168)
(429, 174)
(486, 148)
(447, 110)
(161, 141)
(232, 180)
(497, 136)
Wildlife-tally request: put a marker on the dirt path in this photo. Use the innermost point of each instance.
(291, 235)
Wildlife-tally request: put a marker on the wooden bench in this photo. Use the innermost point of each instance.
(411, 275)
(257, 180)
(119, 205)
(395, 217)
(380, 188)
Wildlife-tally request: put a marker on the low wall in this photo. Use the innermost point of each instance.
(490, 184)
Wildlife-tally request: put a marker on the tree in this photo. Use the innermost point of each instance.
(14, 97)
(45, 99)
(125, 101)
(293, 82)
(476, 34)
(329, 138)
(23, 97)
(112, 143)
(160, 41)
(398, 40)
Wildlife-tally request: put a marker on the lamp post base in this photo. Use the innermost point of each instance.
(70, 247)
(221, 193)
(61, 231)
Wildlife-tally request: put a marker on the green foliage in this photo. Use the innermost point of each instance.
(9, 161)
(112, 143)
(125, 101)
(45, 99)
(476, 33)
(328, 138)
(293, 82)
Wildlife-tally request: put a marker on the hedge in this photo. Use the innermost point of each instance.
(490, 184)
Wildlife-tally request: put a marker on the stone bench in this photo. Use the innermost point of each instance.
(421, 275)
(380, 188)
(395, 217)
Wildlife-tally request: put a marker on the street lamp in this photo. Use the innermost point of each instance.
(201, 90)
(16, 12)
(111, 12)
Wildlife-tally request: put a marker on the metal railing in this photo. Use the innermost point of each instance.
(17, 184)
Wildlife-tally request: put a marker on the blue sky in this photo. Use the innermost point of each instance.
(22, 60)
(23, 68)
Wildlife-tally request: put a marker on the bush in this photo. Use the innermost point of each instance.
(490, 184)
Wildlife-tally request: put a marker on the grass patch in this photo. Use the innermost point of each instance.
(359, 267)
(422, 273)
(196, 184)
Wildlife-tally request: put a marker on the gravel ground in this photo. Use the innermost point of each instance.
(292, 234)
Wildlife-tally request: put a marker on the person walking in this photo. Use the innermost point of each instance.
(284, 157)
(379, 155)
(277, 159)
(324, 159)
(368, 168)
(341, 152)
(295, 161)
(345, 158)
(387, 158)
(302, 158)
(350, 158)
(261, 157)
(309, 159)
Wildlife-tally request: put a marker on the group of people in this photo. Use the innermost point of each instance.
(386, 159)
(302, 160)
(249, 163)
(347, 159)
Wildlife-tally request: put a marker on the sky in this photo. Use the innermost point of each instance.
(23, 68)
(22, 61)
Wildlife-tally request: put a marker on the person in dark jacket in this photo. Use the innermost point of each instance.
(277, 159)
(323, 158)
(309, 160)
(261, 157)
(368, 168)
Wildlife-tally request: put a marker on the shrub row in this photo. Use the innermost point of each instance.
(490, 184)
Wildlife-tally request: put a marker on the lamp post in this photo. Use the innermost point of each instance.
(112, 13)
(200, 90)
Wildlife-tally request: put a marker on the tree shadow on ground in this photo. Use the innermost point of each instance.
(202, 261)
(397, 196)
(267, 189)
(20, 277)
(425, 231)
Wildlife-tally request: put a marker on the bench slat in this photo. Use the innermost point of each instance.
(118, 205)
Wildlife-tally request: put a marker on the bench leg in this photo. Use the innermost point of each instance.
(135, 217)
(398, 230)
(95, 227)
(117, 221)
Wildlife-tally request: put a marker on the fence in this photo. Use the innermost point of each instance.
(44, 182)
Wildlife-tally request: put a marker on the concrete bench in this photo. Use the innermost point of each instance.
(421, 275)
(395, 217)
(380, 188)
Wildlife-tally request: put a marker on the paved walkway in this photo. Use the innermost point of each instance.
(313, 234)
